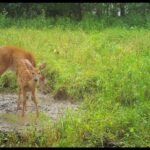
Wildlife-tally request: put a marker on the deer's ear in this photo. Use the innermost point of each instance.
(42, 66)
(27, 63)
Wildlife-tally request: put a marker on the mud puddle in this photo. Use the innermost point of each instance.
(10, 117)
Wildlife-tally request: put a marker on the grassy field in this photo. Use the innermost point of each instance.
(108, 69)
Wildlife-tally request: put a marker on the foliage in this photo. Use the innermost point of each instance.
(107, 68)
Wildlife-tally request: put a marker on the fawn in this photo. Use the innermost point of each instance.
(28, 78)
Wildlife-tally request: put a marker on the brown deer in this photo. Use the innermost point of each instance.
(10, 55)
(28, 78)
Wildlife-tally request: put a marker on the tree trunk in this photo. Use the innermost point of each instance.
(122, 9)
(78, 11)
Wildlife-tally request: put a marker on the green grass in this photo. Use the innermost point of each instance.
(109, 70)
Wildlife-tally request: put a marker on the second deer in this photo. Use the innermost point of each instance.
(28, 78)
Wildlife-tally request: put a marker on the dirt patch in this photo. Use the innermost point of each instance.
(61, 94)
(10, 117)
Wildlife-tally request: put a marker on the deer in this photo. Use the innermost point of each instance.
(28, 78)
(10, 55)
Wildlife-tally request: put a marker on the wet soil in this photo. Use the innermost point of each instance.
(10, 117)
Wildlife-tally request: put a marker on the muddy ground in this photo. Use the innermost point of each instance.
(10, 116)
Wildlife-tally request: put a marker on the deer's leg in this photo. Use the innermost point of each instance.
(19, 100)
(35, 101)
(24, 102)
(2, 69)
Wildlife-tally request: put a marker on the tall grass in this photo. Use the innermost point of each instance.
(108, 70)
